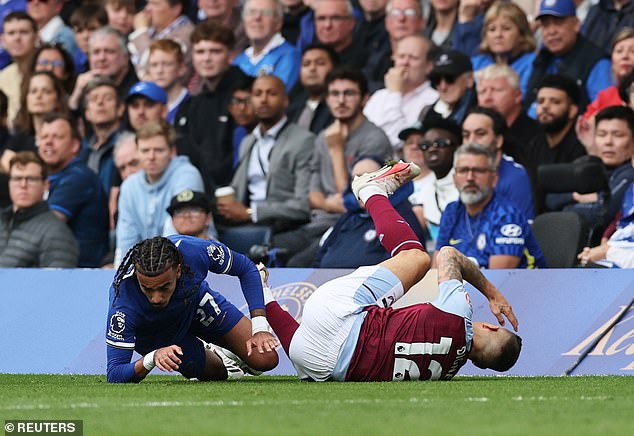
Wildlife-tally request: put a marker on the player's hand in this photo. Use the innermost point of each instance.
(263, 342)
(501, 308)
(167, 358)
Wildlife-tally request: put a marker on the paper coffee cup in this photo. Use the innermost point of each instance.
(226, 194)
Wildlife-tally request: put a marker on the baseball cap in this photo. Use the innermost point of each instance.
(417, 127)
(451, 63)
(557, 8)
(188, 198)
(149, 90)
(433, 120)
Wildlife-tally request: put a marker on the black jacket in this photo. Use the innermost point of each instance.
(205, 120)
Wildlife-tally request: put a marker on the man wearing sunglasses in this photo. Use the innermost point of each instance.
(483, 225)
(452, 77)
(437, 139)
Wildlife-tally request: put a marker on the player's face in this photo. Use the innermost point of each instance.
(614, 142)
(26, 185)
(159, 289)
(344, 99)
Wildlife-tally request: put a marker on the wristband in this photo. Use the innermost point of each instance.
(259, 324)
(148, 361)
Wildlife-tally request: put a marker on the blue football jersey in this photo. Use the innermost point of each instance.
(500, 229)
(194, 309)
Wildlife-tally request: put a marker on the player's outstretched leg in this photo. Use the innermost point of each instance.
(409, 261)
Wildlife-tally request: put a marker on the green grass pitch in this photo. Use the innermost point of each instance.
(285, 406)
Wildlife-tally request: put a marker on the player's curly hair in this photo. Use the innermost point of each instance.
(150, 257)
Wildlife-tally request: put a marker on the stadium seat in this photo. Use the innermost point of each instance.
(242, 238)
(561, 236)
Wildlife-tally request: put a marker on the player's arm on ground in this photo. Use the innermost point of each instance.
(121, 370)
(453, 265)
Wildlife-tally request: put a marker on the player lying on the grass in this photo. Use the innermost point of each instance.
(162, 307)
(349, 332)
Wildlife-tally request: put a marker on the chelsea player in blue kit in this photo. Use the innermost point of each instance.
(162, 307)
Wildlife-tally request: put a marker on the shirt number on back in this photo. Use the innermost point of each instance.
(403, 366)
(206, 319)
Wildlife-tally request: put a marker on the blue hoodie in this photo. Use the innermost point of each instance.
(143, 206)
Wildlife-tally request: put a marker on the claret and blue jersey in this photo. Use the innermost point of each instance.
(195, 310)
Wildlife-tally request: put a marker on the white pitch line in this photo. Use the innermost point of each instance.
(217, 403)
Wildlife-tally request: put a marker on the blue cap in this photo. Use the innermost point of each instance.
(149, 90)
(557, 8)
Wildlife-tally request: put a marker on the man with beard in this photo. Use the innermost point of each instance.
(337, 148)
(486, 227)
(307, 107)
(557, 109)
(271, 179)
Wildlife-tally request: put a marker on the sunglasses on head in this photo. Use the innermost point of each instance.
(436, 79)
(437, 143)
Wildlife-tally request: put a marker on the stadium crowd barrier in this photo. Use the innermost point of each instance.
(53, 321)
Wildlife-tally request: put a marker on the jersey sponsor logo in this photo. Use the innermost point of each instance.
(509, 241)
(453, 241)
(117, 325)
(511, 230)
(216, 253)
(481, 243)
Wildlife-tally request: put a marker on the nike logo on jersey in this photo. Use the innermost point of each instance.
(454, 241)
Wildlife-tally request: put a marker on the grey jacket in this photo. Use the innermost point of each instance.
(35, 237)
(287, 181)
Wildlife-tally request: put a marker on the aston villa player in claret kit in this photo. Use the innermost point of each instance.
(162, 307)
(350, 332)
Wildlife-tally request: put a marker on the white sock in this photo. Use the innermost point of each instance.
(368, 191)
(268, 295)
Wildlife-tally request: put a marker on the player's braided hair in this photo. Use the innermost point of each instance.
(150, 257)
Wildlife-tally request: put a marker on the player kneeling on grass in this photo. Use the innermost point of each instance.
(349, 332)
(162, 307)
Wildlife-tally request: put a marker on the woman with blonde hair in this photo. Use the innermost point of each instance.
(507, 39)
